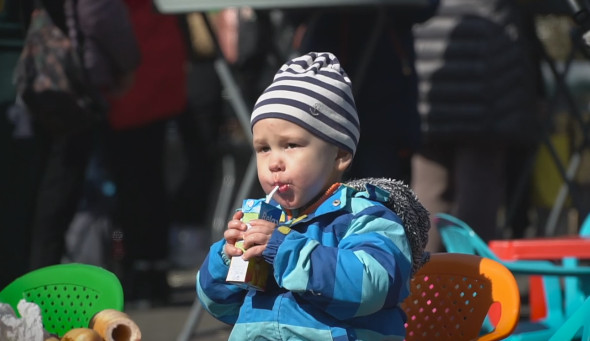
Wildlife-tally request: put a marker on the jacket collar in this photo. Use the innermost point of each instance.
(336, 198)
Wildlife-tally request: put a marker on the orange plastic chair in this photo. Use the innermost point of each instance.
(451, 295)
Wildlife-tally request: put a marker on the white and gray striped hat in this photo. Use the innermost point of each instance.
(314, 92)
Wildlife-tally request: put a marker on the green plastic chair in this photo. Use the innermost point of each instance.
(578, 322)
(457, 236)
(69, 295)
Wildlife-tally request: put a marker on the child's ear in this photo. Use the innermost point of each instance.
(343, 159)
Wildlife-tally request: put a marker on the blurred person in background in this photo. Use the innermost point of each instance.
(111, 55)
(199, 129)
(135, 148)
(17, 151)
(478, 89)
(376, 46)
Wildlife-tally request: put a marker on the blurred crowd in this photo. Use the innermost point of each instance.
(454, 98)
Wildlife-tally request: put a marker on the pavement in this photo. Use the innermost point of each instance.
(167, 324)
(175, 321)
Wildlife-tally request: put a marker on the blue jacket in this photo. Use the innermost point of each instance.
(339, 273)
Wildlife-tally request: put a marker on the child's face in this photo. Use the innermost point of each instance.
(302, 164)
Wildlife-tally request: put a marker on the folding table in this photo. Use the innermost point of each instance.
(568, 249)
(549, 248)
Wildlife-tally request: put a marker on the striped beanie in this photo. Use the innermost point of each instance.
(314, 92)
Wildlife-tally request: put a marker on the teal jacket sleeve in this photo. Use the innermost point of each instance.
(221, 299)
(364, 271)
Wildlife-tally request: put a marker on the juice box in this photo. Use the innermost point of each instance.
(253, 273)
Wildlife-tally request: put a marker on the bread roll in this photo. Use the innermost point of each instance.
(81, 334)
(114, 325)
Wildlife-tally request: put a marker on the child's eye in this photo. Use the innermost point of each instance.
(262, 149)
(292, 145)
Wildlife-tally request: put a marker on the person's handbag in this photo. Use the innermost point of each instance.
(50, 77)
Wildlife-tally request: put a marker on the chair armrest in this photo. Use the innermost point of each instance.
(545, 268)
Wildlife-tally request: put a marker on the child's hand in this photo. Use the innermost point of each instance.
(256, 237)
(235, 231)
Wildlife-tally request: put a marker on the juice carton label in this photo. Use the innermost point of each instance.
(252, 274)
(255, 209)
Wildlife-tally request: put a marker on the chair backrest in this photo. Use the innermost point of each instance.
(451, 295)
(458, 237)
(69, 295)
(585, 227)
(570, 329)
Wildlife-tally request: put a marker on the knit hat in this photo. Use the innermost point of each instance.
(314, 92)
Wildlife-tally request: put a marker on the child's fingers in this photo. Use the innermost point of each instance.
(253, 238)
(232, 235)
(236, 224)
(259, 233)
(262, 226)
(254, 251)
(238, 215)
(231, 251)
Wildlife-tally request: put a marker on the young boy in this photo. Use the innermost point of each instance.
(341, 260)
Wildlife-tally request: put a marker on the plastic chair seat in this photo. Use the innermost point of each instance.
(451, 295)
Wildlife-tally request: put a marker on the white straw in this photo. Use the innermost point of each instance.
(269, 196)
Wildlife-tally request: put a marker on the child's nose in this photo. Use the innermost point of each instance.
(276, 163)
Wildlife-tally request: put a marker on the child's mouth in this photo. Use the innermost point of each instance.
(283, 188)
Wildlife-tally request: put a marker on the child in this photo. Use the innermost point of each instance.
(341, 260)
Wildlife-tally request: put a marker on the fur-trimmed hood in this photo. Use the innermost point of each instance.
(405, 204)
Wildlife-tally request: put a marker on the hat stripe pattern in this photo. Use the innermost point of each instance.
(323, 80)
(314, 92)
(318, 86)
(315, 126)
(300, 96)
